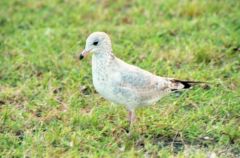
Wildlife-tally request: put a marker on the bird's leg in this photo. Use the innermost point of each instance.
(131, 117)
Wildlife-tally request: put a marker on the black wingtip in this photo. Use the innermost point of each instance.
(188, 84)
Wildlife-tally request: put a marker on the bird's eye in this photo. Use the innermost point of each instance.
(95, 43)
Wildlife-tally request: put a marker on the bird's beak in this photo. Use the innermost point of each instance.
(84, 53)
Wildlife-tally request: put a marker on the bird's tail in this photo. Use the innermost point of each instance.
(182, 84)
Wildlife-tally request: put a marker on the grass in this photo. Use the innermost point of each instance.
(48, 106)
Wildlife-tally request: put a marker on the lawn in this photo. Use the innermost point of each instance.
(48, 105)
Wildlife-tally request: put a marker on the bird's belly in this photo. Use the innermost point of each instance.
(120, 95)
(109, 92)
(104, 88)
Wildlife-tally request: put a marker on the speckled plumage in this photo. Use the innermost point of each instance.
(123, 83)
(128, 85)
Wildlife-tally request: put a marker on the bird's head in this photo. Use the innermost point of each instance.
(97, 42)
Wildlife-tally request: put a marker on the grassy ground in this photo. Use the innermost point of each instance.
(48, 106)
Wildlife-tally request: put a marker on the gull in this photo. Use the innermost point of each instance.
(122, 83)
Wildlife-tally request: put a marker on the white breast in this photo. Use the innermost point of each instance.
(101, 78)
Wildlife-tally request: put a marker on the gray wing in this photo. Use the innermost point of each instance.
(141, 87)
(139, 84)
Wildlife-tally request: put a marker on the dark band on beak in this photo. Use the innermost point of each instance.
(81, 57)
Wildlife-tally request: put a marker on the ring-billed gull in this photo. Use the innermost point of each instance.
(123, 83)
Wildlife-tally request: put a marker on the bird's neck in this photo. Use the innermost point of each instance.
(102, 58)
(101, 63)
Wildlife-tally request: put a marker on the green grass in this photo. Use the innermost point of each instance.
(48, 106)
